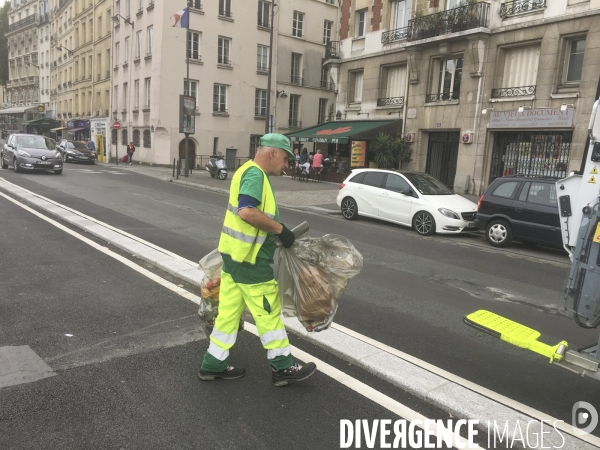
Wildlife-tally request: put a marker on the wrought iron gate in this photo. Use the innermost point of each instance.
(442, 156)
(531, 153)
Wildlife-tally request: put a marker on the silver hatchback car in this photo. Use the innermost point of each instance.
(31, 152)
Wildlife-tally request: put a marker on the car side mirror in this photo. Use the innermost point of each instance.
(406, 192)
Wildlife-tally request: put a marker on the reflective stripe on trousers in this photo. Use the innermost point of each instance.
(233, 300)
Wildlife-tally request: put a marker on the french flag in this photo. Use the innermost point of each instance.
(182, 18)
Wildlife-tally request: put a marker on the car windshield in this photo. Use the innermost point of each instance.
(76, 145)
(34, 142)
(427, 185)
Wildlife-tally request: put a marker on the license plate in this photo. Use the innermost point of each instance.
(84, 157)
(45, 162)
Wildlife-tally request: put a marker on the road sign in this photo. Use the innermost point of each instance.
(116, 125)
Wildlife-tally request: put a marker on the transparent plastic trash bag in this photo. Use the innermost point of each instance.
(211, 265)
(312, 276)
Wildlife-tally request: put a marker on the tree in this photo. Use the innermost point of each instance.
(390, 151)
(4, 43)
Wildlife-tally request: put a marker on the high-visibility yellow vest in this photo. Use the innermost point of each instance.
(239, 239)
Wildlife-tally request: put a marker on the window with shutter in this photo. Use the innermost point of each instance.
(520, 66)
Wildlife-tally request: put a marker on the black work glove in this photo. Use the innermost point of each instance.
(287, 237)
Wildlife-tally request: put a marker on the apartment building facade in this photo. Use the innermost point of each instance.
(485, 89)
(304, 94)
(22, 87)
(61, 62)
(44, 55)
(228, 53)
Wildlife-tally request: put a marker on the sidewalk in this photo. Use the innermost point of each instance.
(309, 196)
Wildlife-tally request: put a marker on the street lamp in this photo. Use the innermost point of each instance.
(60, 48)
(281, 94)
(115, 19)
(268, 124)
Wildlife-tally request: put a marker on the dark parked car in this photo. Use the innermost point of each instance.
(29, 152)
(75, 151)
(520, 208)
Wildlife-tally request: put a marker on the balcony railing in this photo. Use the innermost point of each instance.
(29, 20)
(399, 34)
(442, 97)
(262, 68)
(513, 91)
(391, 101)
(332, 50)
(327, 85)
(520, 6)
(224, 12)
(294, 123)
(224, 61)
(451, 21)
(297, 80)
(263, 23)
(44, 18)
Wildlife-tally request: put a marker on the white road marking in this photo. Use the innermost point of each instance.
(110, 227)
(397, 353)
(366, 391)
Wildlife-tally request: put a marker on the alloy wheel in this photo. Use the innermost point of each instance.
(424, 223)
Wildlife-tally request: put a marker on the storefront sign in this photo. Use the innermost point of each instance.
(533, 118)
(359, 153)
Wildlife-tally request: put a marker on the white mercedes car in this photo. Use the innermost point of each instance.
(414, 199)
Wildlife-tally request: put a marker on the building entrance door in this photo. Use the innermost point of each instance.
(531, 153)
(442, 156)
(192, 152)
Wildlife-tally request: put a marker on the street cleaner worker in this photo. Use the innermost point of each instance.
(247, 280)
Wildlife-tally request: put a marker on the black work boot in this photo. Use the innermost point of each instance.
(296, 372)
(231, 373)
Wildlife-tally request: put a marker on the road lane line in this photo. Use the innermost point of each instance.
(366, 391)
(171, 286)
(484, 392)
(110, 227)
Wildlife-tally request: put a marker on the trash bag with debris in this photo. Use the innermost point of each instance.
(312, 276)
(211, 265)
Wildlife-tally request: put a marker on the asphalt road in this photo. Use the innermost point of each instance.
(125, 352)
(412, 295)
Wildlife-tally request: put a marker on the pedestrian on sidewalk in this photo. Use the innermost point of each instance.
(247, 280)
(91, 145)
(130, 151)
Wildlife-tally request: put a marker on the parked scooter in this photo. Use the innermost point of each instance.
(217, 167)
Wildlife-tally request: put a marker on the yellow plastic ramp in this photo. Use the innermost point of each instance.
(514, 333)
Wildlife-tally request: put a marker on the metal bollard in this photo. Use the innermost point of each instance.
(173, 167)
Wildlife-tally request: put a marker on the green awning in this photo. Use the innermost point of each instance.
(340, 132)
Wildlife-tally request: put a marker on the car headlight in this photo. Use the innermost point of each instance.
(23, 153)
(449, 213)
(70, 152)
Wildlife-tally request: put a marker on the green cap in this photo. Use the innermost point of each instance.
(276, 140)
